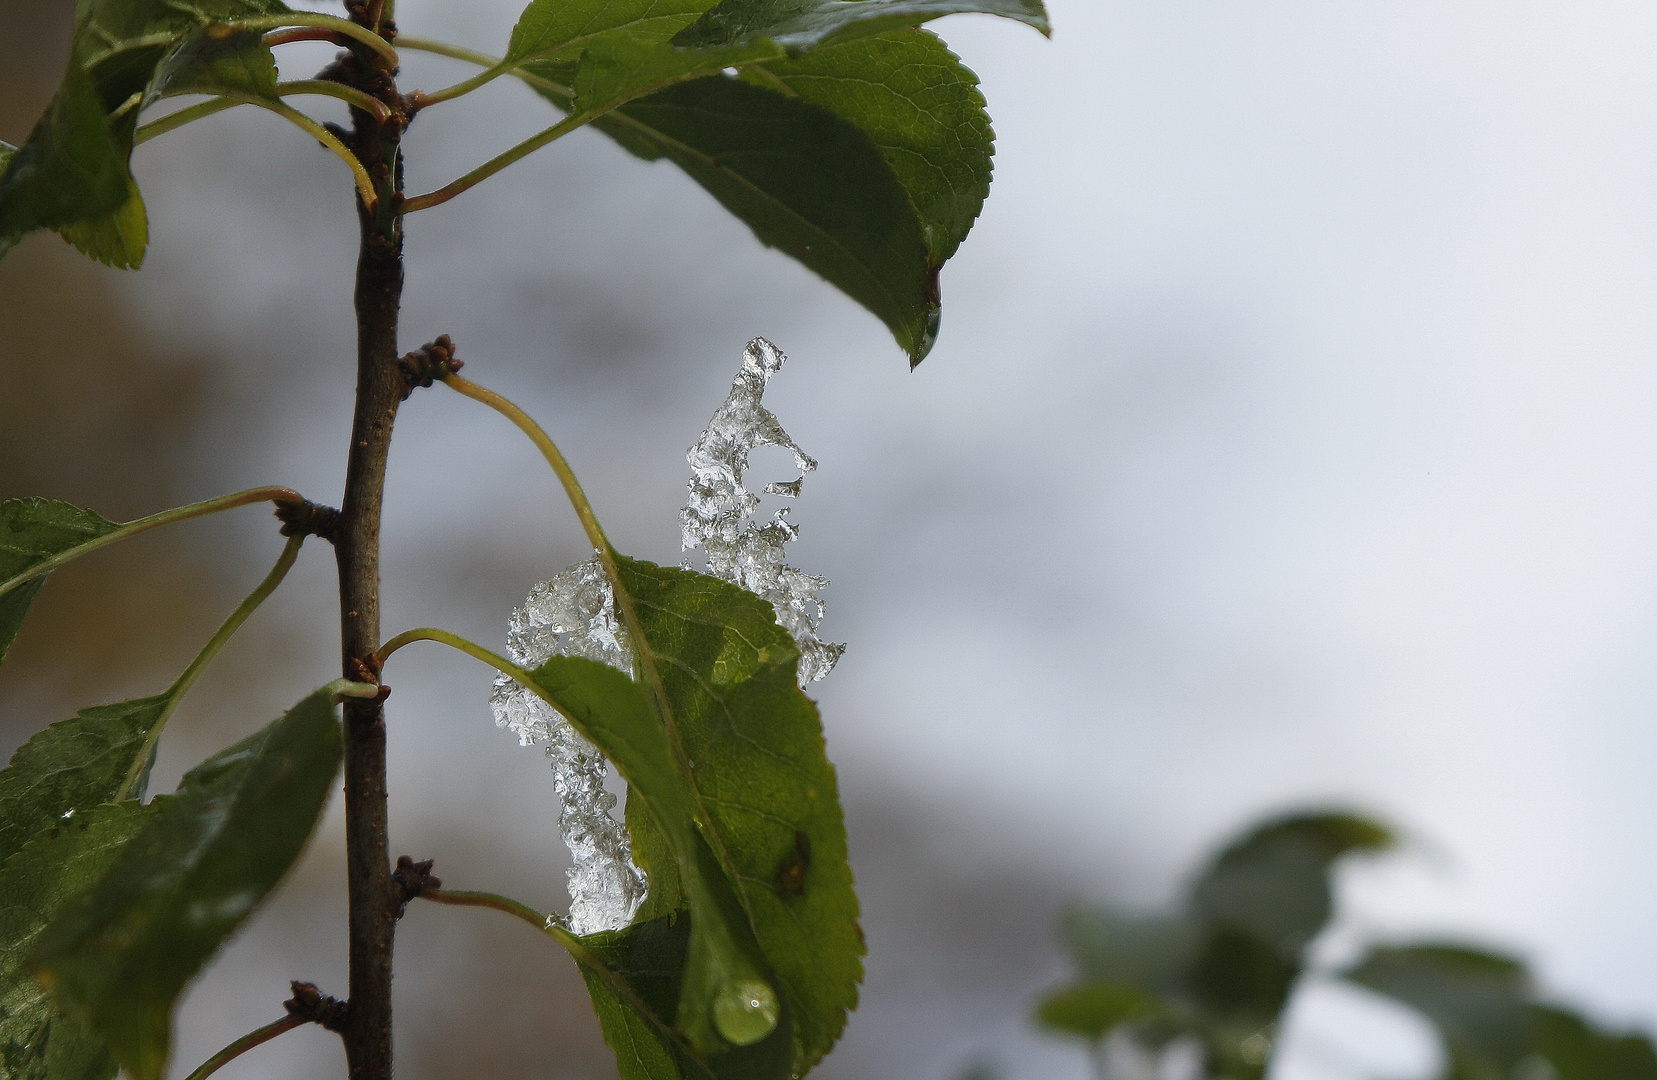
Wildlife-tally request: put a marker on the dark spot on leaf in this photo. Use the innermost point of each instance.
(790, 881)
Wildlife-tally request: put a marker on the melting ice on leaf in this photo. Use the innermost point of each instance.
(732, 811)
(574, 614)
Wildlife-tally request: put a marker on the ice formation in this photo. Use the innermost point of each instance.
(574, 615)
(719, 515)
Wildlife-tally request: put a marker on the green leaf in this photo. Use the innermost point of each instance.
(31, 532)
(1150, 952)
(122, 43)
(37, 1040)
(920, 105)
(1263, 900)
(636, 977)
(799, 25)
(118, 239)
(1478, 1001)
(721, 955)
(735, 816)
(71, 168)
(806, 182)
(547, 27)
(77, 764)
(649, 958)
(755, 744)
(1274, 882)
(803, 183)
(119, 954)
(1579, 1051)
(71, 174)
(218, 60)
(1094, 1010)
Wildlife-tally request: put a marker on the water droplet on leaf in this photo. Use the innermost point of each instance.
(745, 1012)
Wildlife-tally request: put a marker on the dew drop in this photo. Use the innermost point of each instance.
(745, 1012)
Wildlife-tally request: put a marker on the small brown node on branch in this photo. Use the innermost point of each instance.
(314, 1007)
(306, 518)
(367, 669)
(413, 879)
(430, 362)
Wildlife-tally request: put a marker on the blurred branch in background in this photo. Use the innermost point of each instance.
(1202, 991)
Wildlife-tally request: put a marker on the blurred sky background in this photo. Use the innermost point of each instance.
(1290, 441)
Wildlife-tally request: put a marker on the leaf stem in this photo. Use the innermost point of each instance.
(184, 116)
(455, 641)
(145, 524)
(453, 898)
(572, 944)
(465, 86)
(365, 184)
(471, 56)
(350, 688)
(643, 654)
(292, 34)
(176, 692)
(247, 607)
(497, 163)
(548, 448)
(361, 34)
(348, 94)
(244, 1044)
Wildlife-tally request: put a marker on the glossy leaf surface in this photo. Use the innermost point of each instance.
(807, 182)
(38, 1041)
(920, 105)
(755, 744)
(119, 955)
(31, 532)
(74, 765)
(621, 718)
(799, 25)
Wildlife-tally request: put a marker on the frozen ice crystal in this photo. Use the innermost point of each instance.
(574, 615)
(719, 516)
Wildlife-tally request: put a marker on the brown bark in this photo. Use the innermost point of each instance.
(373, 896)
